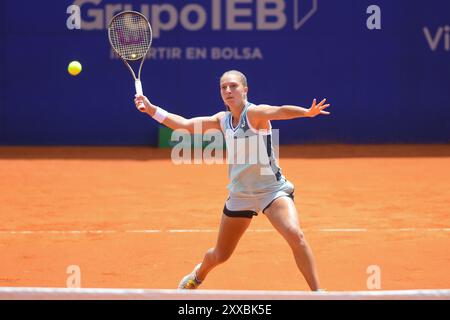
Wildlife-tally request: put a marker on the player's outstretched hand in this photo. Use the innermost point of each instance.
(141, 102)
(317, 108)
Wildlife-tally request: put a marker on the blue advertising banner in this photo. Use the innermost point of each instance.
(383, 65)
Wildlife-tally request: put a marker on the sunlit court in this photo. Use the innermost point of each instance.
(104, 210)
(242, 150)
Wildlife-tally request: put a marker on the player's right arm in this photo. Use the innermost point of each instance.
(175, 121)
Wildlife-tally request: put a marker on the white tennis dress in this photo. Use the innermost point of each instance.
(255, 177)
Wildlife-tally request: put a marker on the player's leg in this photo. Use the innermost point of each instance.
(283, 216)
(230, 232)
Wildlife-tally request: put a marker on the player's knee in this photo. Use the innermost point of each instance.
(295, 238)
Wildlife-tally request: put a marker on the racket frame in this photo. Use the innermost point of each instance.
(137, 80)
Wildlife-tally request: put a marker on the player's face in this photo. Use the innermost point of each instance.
(232, 90)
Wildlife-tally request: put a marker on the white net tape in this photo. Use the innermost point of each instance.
(22, 293)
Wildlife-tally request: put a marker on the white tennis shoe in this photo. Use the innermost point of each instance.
(190, 281)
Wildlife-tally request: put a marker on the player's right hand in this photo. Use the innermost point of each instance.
(142, 103)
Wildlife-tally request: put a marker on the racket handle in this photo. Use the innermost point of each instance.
(138, 86)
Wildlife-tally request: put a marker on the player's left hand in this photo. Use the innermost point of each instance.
(317, 108)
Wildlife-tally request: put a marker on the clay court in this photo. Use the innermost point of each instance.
(130, 218)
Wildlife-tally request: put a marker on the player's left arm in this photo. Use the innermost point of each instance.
(265, 112)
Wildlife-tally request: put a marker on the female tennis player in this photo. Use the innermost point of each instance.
(252, 187)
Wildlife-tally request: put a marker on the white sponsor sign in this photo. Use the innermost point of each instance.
(214, 15)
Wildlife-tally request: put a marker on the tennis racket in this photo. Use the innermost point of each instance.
(130, 36)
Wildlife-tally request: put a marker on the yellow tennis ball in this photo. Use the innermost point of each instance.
(74, 68)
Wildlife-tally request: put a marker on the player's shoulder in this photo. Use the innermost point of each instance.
(220, 115)
(255, 107)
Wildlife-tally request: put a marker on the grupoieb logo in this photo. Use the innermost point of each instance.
(215, 15)
(200, 15)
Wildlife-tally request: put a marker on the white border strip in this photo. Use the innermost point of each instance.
(24, 293)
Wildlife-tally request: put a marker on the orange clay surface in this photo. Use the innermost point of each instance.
(358, 205)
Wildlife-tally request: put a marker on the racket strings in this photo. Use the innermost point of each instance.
(130, 35)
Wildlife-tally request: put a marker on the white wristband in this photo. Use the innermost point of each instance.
(160, 115)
